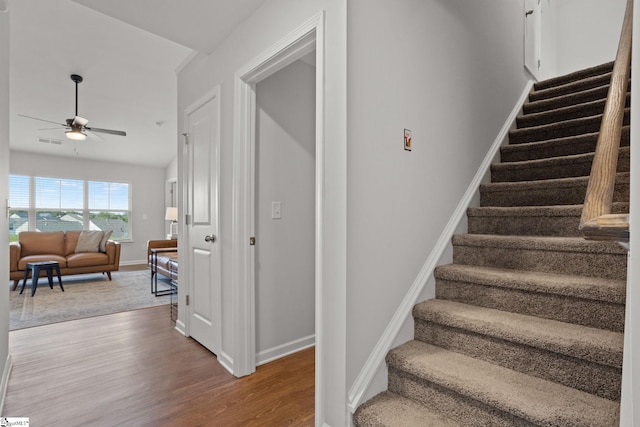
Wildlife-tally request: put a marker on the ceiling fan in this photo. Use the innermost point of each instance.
(77, 127)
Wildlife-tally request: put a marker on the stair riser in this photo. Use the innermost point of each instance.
(557, 148)
(559, 169)
(603, 381)
(562, 194)
(612, 266)
(575, 76)
(590, 95)
(560, 130)
(565, 226)
(595, 314)
(567, 113)
(467, 411)
(574, 87)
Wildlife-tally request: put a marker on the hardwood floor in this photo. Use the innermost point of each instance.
(134, 369)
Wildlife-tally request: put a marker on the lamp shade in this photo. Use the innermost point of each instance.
(171, 214)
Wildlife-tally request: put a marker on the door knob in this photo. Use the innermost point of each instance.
(528, 12)
(211, 238)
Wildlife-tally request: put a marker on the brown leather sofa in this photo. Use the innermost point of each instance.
(167, 261)
(60, 246)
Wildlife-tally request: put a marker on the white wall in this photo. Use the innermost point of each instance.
(147, 191)
(549, 40)
(449, 70)
(171, 172)
(273, 21)
(4, 195)
(285, 255)
(588, 32)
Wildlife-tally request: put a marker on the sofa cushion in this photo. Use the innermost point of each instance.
(87, 259)
(103, 242)
(22, 263)
(41, 243)
(89, 241)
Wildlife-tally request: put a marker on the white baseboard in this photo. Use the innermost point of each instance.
(273, 353)
(125, 263)
(181, 327)
(226, 361)
(377, 357)
(6, 372)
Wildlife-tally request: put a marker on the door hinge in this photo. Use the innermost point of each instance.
(187, 219)
(538, 63)
(186, 137)
(252, 241)
(187, 299)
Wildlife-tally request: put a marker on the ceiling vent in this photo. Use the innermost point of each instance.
(50, 141)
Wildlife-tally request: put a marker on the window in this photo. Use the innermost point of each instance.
(61, 204)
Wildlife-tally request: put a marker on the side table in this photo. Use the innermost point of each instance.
(35, 268)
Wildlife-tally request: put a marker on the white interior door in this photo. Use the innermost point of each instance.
(204, 288)
(532, 25)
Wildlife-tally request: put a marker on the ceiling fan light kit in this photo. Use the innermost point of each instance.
(76, 134)
(77, 127)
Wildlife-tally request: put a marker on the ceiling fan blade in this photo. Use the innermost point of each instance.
(93, 135)
(58, 128)
(109, 131)
(42, 120)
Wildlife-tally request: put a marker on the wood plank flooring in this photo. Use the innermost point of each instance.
(134, 369)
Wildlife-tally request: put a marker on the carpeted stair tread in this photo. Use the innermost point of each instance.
(561, 220)
(594, 288)
(555, 167)
(563, 113)
(565, 146)
(391, 410)
(588, 95)
(560, 191)
(575, 76)
(572, 127)
(528, 399)
(558, 255)
(592, 344)
(583, 300)
(571, 87)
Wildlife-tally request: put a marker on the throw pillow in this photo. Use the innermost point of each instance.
(103, 242)
(89, 241)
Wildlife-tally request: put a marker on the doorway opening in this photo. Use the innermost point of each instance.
(285, 211)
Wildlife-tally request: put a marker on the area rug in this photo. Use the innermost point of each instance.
(84, 296)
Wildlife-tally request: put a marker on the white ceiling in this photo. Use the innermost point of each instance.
(129, 72)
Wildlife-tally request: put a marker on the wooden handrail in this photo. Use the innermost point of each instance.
(597, 222)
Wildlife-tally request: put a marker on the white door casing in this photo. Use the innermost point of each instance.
(306, 38)
(203, 275)
(532, 40)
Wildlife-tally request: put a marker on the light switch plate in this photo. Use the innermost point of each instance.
(276, 210)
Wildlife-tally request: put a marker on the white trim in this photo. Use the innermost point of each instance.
(226, 361)
(629, 408)
(6, 373)
(134, 262)
(384, 344)
(280, 351)
(180, 327)
(297, 44)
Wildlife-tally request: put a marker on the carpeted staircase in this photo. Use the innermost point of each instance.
(526, 328)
